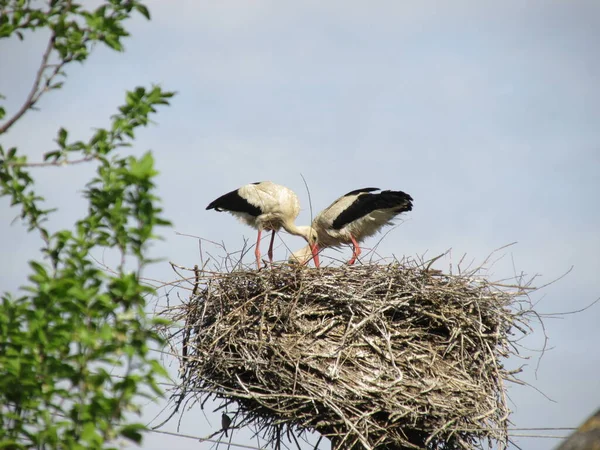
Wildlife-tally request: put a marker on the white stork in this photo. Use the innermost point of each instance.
(353, 218)
(266, 206)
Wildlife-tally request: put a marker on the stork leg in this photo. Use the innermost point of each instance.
(271, 247)
(355, 251)
(257, 250)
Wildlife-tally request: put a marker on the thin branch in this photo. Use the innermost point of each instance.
(309, 198)
(62, 163)
(577, 311)
(35, 93)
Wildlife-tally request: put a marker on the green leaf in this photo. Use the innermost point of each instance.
(90, 434)
(39, 269)
(143, 168)
(158, 369)
(143, 10)
(55, 155)
(113, 42)
(133, 432)
(62, 138)
(11, 445)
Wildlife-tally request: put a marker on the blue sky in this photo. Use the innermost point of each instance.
(486, 112)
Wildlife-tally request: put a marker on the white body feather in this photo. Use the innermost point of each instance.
(277, 203)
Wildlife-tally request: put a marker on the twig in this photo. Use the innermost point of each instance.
(35, 93)
(309, 197)
(60, 163)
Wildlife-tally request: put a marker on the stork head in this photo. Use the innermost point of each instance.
(311, 251)
(302, 256)
(312, 236)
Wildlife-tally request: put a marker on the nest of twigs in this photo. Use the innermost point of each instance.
(372, 356)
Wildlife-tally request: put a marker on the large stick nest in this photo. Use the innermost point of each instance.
(389, 356)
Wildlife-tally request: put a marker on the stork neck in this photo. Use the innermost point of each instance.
(296, 230)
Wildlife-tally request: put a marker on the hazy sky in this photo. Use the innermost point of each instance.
(486, 112)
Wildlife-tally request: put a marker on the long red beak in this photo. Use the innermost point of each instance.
(315, 252)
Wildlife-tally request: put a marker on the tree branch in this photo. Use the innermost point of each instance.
(35, 93)
(64, 162)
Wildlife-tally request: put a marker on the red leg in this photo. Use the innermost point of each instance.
(257, 249)
(355, 251)
(271, 247)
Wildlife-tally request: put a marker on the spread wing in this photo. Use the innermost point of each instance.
(366, 203)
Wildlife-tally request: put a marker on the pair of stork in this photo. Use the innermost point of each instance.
(349, 220)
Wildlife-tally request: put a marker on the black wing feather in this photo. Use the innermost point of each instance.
(367, 203)
(233, 201)
(358, 191)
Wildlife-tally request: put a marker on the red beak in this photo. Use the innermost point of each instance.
(315, 252)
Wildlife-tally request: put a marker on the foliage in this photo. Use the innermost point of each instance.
(73, 322)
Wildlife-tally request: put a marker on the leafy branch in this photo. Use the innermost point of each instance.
(73, 323)
(57, 163)
(69, 41)
(36, 92)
